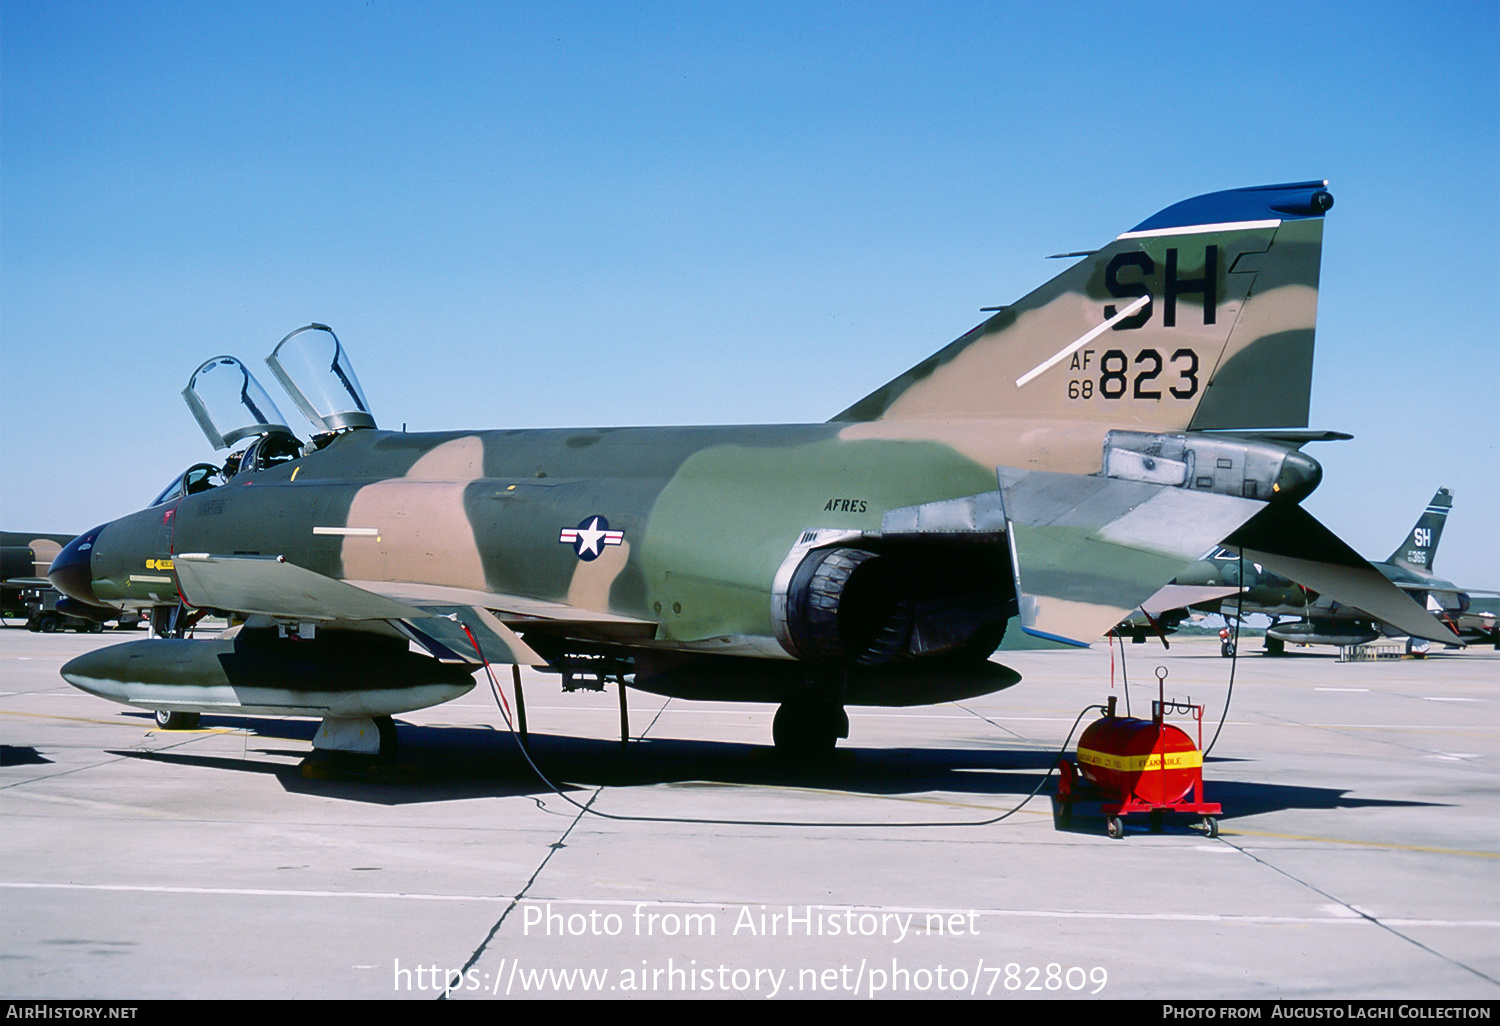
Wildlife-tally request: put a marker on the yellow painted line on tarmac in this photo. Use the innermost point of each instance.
(70, 719)
(1388, 845)
(832, 793)
(120, 723)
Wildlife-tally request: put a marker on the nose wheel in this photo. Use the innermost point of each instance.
(168, 720)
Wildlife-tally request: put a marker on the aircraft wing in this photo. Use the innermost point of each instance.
(1182, 596)
(1087, 550)
(515, 610)
(271, 586)
(1288, 540)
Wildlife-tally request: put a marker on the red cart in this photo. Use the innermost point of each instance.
(1133, 765)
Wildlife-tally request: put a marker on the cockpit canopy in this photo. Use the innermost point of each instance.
(229, 404)
(200, 477)
(315, 371)
(266, 451)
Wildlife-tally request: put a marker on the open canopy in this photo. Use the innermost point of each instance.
(315, 371)
(229, 404)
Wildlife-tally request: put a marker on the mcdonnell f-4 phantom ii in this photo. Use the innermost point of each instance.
(1051, 467)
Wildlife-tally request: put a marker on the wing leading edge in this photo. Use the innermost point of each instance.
(271, 586)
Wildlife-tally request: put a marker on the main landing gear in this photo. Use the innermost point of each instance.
(807, 728)
(808, 724)
(362, 747)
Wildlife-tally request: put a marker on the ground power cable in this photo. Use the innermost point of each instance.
(1234, 650)
(505, 713)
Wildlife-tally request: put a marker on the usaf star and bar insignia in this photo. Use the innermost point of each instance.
(590, 537)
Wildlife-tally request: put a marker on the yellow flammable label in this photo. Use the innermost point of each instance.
(1140, 763)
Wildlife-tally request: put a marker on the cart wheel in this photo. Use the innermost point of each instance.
(1156, 818)
(1062, 813)
(1067, 779)
(1116, 827)
(1210, 827)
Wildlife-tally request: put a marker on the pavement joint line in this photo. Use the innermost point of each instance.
(102, 763)
(1387, 925)
(1370, 733)
(552, 849)
(1428, 849)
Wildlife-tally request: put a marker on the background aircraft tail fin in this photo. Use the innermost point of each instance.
(1200, 317)
(1420, 546)
(1287, 540)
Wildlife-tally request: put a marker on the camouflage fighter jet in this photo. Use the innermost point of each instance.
(1051, 468)
(24, 558)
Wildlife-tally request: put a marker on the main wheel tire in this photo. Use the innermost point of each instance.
(169, 720)
(388, 746)
(808, 730)
(1226, 649)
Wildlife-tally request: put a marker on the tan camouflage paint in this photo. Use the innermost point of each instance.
(977, 376)
(589, 588)
(43, 552)
(424, 533)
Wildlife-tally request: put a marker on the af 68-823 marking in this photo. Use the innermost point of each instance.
(1115, 381)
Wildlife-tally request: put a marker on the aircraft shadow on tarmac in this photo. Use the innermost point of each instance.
(450, 763)
(21, 755)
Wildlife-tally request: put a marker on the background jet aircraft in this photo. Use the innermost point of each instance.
(24, 559)
(1051, 468)
(25, 592)
(1303, 616)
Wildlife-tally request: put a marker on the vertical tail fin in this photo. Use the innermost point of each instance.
(1200, 317)
(1420, 546)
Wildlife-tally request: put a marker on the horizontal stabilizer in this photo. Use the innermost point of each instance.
(1088, 550)
(1294, 437)
(1289, 541)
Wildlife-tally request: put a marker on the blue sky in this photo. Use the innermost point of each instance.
(585, 214)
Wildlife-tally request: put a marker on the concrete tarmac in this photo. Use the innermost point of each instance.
(1358, 857)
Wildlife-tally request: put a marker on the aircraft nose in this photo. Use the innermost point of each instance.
(72, 571)
(1300, 474)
